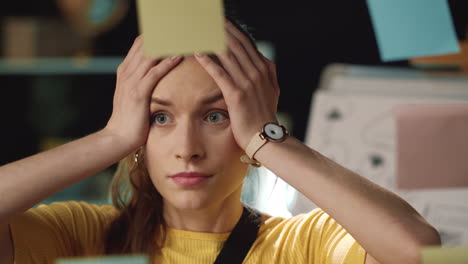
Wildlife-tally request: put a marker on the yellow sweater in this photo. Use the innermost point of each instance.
(66, 229)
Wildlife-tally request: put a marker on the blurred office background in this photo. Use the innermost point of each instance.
(58, 60)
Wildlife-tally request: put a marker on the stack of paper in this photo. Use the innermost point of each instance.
(353, 122)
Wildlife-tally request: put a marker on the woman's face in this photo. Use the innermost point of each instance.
(189, 135)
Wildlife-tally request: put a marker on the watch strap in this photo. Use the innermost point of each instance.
(246, 160)
(254, 145)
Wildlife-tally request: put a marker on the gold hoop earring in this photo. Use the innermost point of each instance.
(136, 156)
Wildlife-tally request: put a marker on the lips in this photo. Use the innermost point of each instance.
(189, 178)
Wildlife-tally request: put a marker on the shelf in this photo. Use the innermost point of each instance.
(60, 66)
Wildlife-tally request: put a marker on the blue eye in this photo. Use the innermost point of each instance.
(159, 118)
(217, 117)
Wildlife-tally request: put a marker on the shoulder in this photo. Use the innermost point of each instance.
(60, 229)
(315, 218)
(313, 237)
(64, 213)
(76, 208)
(315, 225)
(275, 229)
(287, 240)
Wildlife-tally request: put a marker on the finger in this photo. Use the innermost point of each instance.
(136, 44)
(144, 66)
(219, 75)
(248, 46)
(131, 53)
(271, 67)
(135, 59)
(273, 74)
(242, 57)
(156, 73)
(232, 66)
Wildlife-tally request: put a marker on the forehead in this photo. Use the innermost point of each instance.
(188, 80)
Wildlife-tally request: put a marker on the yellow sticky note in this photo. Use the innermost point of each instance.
(438, 255)
(181, 27)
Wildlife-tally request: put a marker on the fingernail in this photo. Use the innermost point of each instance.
(199, 55)
(175, 57)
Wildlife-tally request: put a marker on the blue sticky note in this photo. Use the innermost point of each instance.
(412, 28)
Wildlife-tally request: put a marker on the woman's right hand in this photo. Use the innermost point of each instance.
(137, 76)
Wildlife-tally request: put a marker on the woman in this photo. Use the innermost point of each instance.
(184, 124)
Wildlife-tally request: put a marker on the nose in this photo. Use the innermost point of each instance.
(188, 142)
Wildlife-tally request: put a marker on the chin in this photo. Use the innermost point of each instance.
(190, 200)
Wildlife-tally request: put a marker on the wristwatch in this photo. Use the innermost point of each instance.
(271, 132)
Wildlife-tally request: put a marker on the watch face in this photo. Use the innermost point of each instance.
(274, 131)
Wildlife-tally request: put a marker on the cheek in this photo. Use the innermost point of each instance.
(156, 154)
(228, 154)
(228, 145)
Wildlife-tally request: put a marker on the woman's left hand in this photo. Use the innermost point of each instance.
(248, 82)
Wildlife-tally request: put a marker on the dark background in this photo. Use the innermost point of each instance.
(307, 36)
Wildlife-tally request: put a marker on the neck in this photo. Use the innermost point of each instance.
(216, 218)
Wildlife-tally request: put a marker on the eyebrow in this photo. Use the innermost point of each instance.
(205, 101)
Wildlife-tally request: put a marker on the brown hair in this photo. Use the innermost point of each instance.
(140, 227)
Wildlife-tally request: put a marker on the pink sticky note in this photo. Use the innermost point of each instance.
(432, 146)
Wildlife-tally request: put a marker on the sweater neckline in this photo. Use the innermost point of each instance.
(172, 232)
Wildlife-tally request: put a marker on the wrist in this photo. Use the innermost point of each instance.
(120, 142)
(270, 132)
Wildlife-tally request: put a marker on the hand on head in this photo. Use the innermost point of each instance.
(248, 82)
(137, 76)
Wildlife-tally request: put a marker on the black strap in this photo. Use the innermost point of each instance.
(241, 238)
